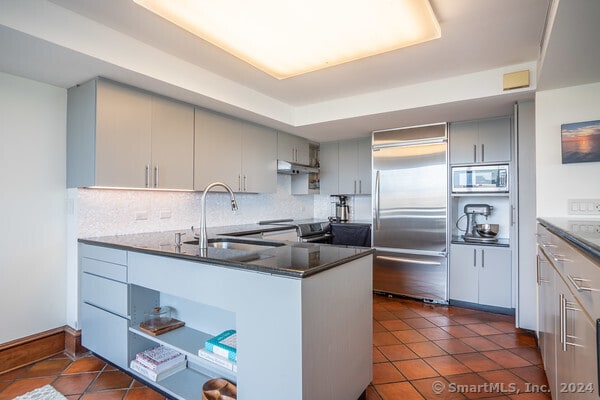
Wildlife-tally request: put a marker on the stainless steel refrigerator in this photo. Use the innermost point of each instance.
(410, 212)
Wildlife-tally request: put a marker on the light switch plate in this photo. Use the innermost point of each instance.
(584, 207)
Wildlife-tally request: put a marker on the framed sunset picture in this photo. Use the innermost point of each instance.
(580, 142)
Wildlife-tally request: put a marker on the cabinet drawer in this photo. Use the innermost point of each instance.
(105, 334)
(103, 254)
(104, 293)
(108, 270)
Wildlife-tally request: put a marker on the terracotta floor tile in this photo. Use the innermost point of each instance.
(47, 367)
(426, 349)
(506, 359)
(377, 327)
(415, 369)
(143, 394)
(74, 383)
(405, 313)
(4, 384)
(409, 336)
(531, 354)
(435, 333)
(506, 340)
(454, 346)
(85, 364)
(395, 325)
(436, 389)
(383, 315)
(483, 329)
(503, 326)
(394, 305)
(397, 352)
(447, 365)
(533, 375)
(377, 356)
(419, 323)
(386, 373)
(15, 374)
(505, 381)
(459, 331)
(481, 343)
(442, 321)
(467, 319)
(372, 393)
(398, 391)
(471, 386)
(477, 362)
(105, 395)
(531, 396)
(384, 338)
(23, 386)
(111, 380)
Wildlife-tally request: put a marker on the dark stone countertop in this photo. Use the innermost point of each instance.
(583, 233)
(293, 259)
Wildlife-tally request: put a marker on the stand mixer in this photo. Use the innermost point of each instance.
(481, 233)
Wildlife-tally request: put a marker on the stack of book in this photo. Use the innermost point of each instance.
(221, 350)
(158, 363)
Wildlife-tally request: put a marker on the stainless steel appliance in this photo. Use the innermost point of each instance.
(410, 212)
(314, 232)
(480, 179)
(473, 232)
(342, 209)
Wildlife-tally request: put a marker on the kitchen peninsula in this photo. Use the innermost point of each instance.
(302, 311)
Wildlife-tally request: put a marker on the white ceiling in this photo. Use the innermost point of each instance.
(66, 42)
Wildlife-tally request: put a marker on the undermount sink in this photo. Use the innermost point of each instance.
(239, 244)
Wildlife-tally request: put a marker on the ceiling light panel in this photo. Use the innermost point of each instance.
(285, 38)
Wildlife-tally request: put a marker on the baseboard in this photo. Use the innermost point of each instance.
(20, 352)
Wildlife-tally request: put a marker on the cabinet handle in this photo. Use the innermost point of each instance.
(576, 282)
(355, 186)
(147, 175)
(156, 176)
(565, 306)
(474, 153)
(482, 152)
(482, 258)
(245, 183)
(377, 199)
(539, 271)
(360, 186)
(474, 258)
(240, 183)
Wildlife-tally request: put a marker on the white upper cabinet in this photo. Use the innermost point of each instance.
(121, 137)
(480, 141)
(240, 154)
(292, 148)
(346, 167)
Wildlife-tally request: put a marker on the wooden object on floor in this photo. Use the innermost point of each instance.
(24, 351)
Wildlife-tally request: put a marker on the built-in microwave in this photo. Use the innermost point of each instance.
(480, 179)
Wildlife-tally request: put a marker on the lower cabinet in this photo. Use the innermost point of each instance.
(567, 330)
(481, 275)
(104, 302)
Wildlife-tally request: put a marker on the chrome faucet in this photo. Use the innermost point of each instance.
(203, 240)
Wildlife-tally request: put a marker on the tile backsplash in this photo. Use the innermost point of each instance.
(103, 212)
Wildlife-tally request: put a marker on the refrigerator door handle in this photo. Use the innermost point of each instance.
(377, 198)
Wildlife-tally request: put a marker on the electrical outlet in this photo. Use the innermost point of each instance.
(141, 215)
(584, 206)
(165, 213)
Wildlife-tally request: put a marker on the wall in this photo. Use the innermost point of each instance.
(32, 200)
(556, 183)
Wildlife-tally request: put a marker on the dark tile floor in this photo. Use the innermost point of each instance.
(420, 351)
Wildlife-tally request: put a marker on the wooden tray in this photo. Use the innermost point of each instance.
(160, 329)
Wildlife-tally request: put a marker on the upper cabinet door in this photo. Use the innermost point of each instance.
(172, 144)
(494, 140)
(364, 174)
(259, 159)
(481, 141)
(218, 152)
(122, 136)
(329, 168)
(292, 148)
(348, 167)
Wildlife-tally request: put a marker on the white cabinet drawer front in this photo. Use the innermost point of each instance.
(107, 254)
(104, 293)
(105, 334)
(108, 270)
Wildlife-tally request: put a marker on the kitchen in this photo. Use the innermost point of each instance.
(40, 206)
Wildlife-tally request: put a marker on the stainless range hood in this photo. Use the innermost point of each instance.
(288, 168)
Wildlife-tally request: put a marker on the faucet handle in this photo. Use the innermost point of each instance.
(178, 236)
